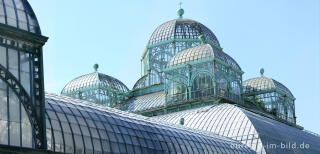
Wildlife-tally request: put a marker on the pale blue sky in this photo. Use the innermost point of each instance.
(282, 36)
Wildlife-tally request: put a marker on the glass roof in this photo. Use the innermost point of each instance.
(182, 29)
(143, 103)
(255, 130)
(264, 83)
(19, 14)
(200, 53)
(94, 80)
(76, 126)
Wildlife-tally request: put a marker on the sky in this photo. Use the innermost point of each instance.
(283, 37)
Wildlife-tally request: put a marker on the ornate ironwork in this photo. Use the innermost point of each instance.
(202, 73)
(98, 88)
(273, 96)
(18, 89)
(168, 40)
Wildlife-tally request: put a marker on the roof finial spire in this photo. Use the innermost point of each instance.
(95, 67)
(261, 71)
(180, 10)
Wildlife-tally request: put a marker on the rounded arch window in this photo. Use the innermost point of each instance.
(202, 86)
(222, 86)
(177, 90)
(235, 88)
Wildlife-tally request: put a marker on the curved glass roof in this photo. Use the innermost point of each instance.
(200, 53)
(76, 126)
(182, 29)
(264, 84)
(255, 130)
(19, 14)
(148, 102)
(141, 83)
(94, 80)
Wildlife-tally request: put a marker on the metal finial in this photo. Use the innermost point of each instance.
(180, 11)
(95, 67)
(261, 71)
(182, 121)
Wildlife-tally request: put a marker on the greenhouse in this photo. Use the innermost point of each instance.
(190, 98)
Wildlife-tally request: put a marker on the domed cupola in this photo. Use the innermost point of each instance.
(19, 14)
(96, 87)
(169, 39)
(203, 73)
(182, 29)
(202, 52)
(271, 95)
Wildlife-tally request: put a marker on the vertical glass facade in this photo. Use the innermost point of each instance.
(17, 61)
(21, 76)
(15, 125)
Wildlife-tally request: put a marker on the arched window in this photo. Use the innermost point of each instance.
(222, 87)
(177, 90)
(202, 86)
(235, 91)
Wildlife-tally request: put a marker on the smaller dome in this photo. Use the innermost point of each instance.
(264, 84)
(201, 52)
(93, 80)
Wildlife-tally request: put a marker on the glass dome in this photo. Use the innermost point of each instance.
(200, 53)
(19, 14)
(169, 39)
(271, 96)
(264, 83)
(93, 80)
(98, 88)
(182, 29)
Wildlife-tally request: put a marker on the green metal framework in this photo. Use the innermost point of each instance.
(166, 41)
(22, 69)
(272, 96)
(98, 88)
(202, 73)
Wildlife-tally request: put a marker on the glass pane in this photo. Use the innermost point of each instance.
(13, 62)
(15, 133)
(2, 18)
(3, 132)
(14, 112)
(25, 71)
(3, 101)
(26, 135)
(3, 56)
